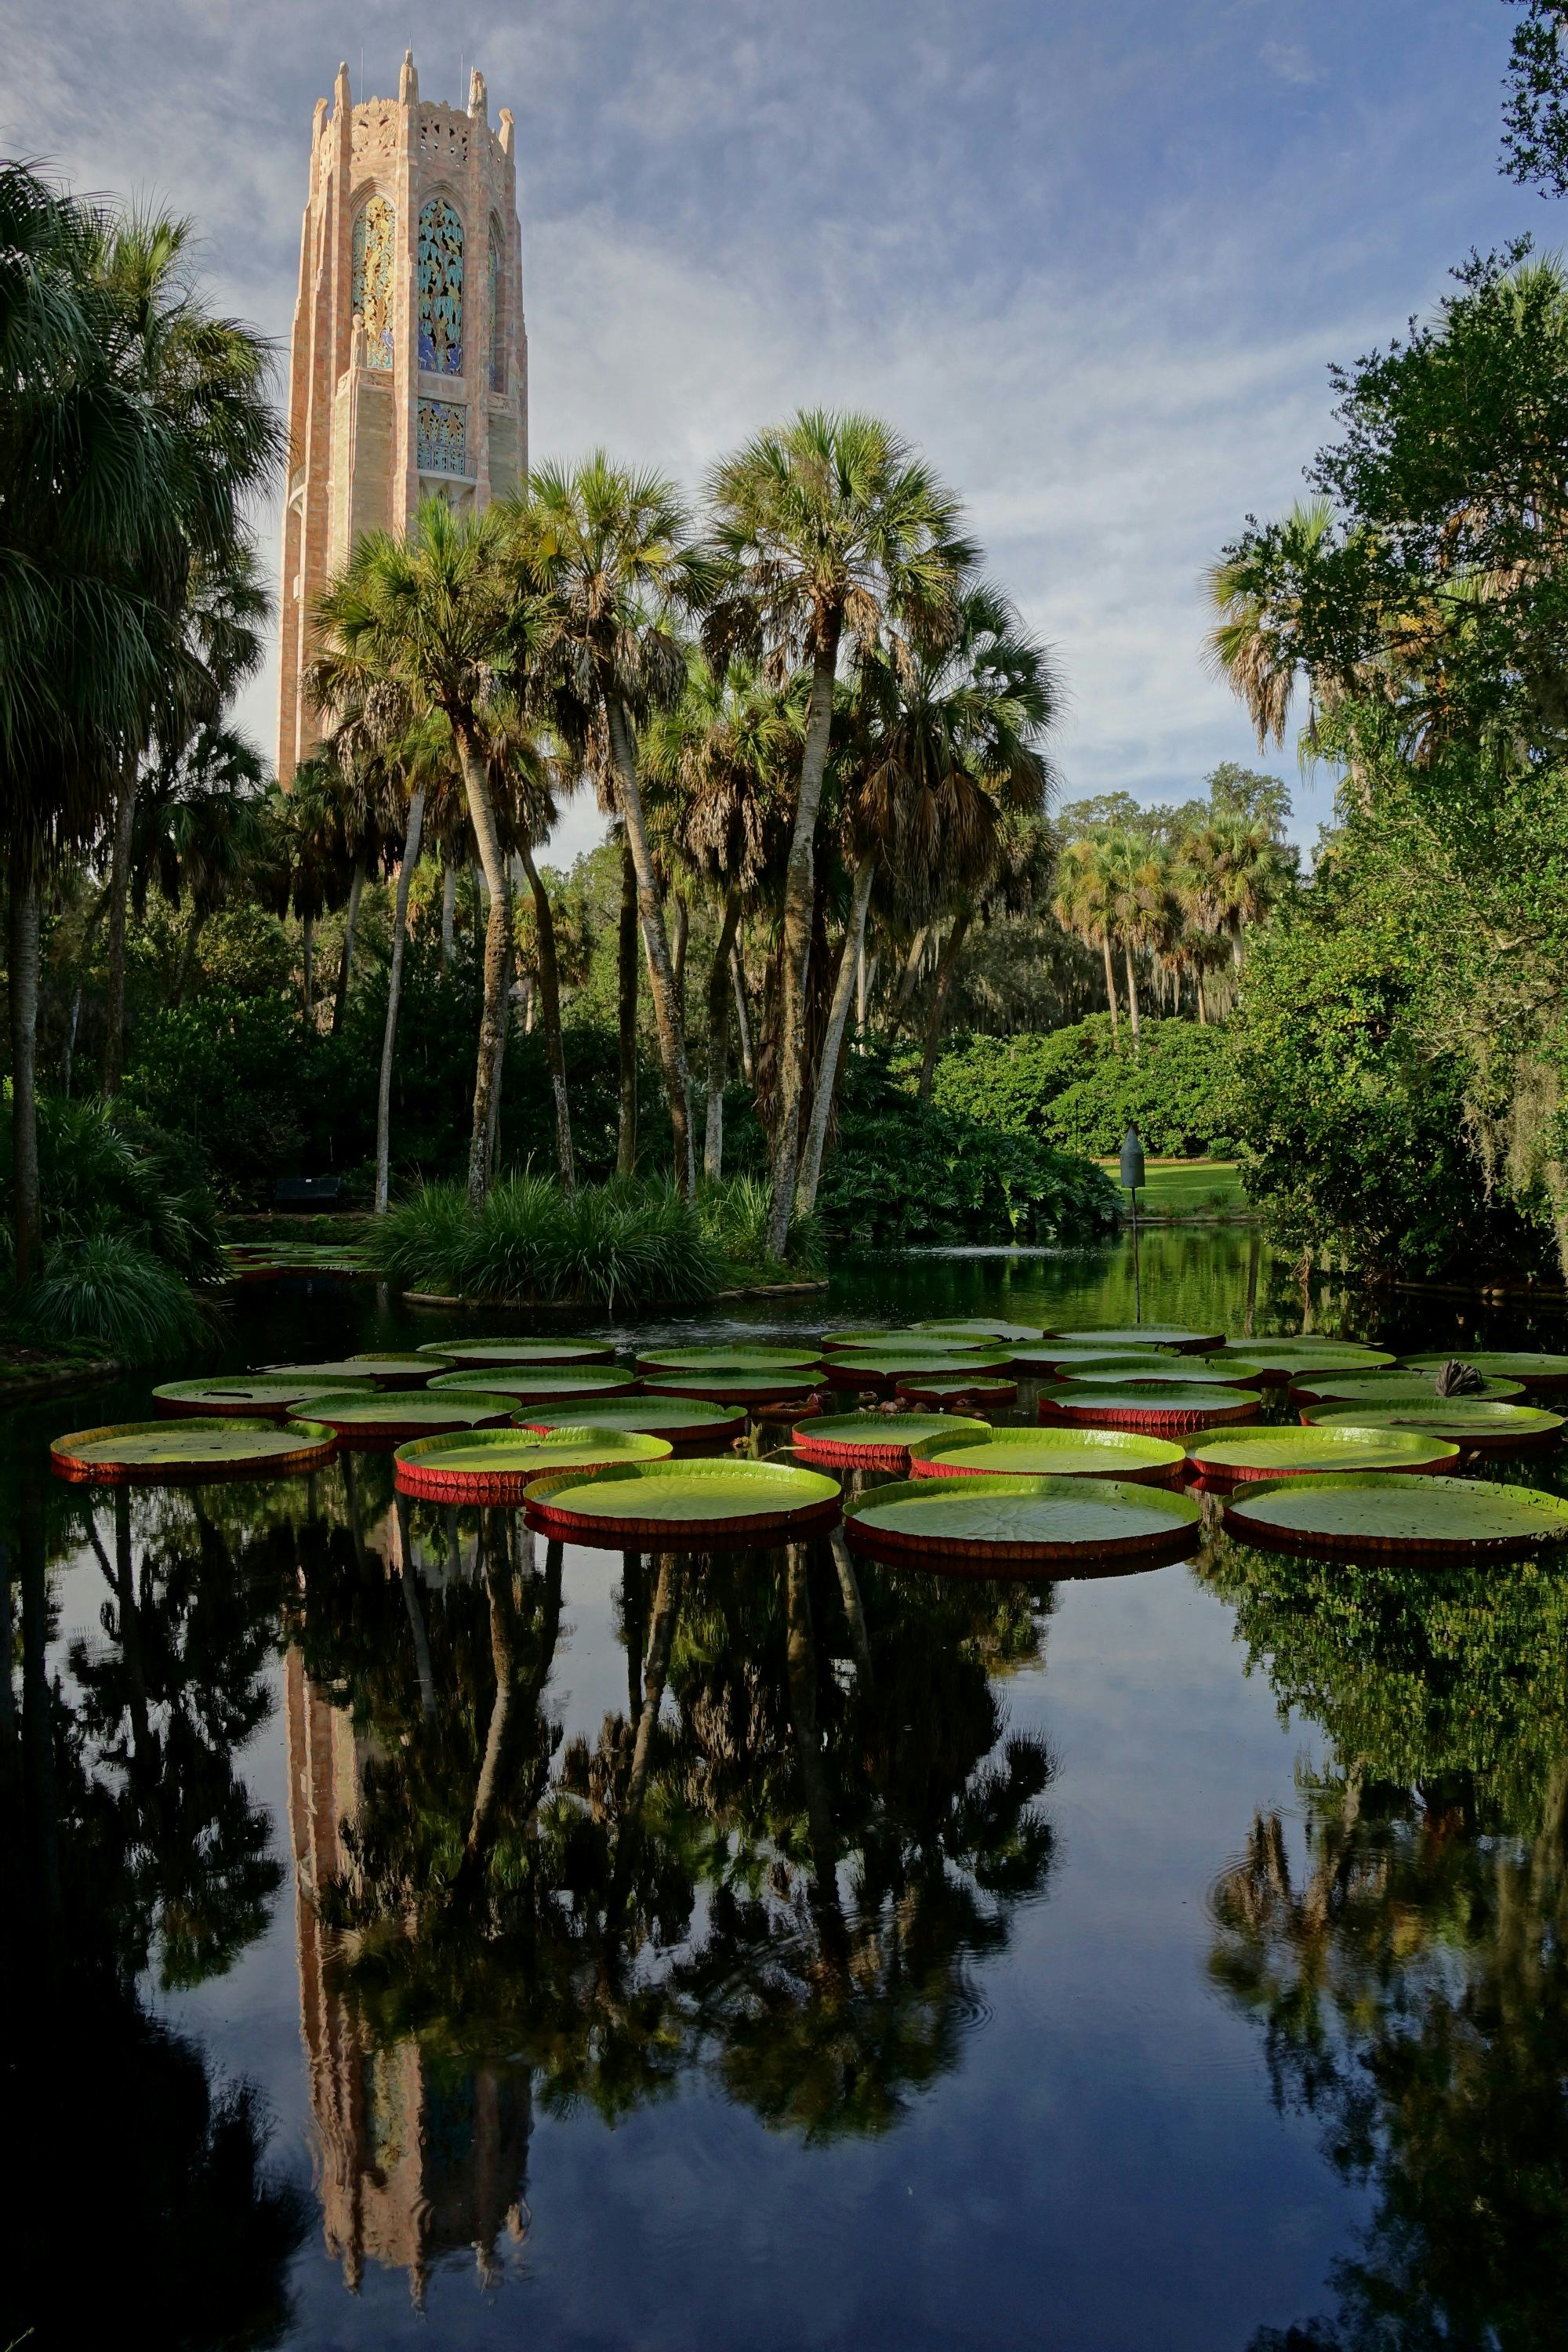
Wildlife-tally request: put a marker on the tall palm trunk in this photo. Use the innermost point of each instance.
(497, 959)
(1203, 1003)
(748, 1063)
(84, 953)
(833, 1042)
(448, 913)
(719, 977)
(1110, 990)
(23, 975)
(680, 935)
(346, 961)
(794, 961)
(627, 1017)
(908, 977)
(947, 965)
(119, 896)
(1132, 997)
(661, 975)
(412, 832)
(549, 1009)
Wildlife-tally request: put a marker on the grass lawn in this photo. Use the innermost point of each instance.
(1189, 1188)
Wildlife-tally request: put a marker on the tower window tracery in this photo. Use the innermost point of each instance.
(373, 264)
(498, 316)
(440, 289)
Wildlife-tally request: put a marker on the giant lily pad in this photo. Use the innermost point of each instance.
(881, 1439)
(470, 1354)
(1528, 1365)
(728, 1360)
(389, 1371)
(1141, 1335)
(365, 1418)
(182, 1453)
(497, 1465)
(1159, 1407)
(978, 1332)
(988, 1389)
(908, 1337)
(1475, 1424)
(752, 1389)
(982, 1525)
(703, 1504)
(252, 1396)
(680, 1418)
(1050, 1454)
(1295, 1452)
(1183, 1372)
(1055, 1359)
(543, 1383)
(1387, 1388)
(1381, 1515)
(878, 1367)
(1295, 1358)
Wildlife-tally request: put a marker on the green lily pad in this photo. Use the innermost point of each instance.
(470, 1352)
(1536, 1369)
(1389, 1388)
(1487, 1424)
(983, 1333)
(683, 1419)
(1141, 1335)
(782, 1386)
(498, 1465)
(415, 1412)
(391, 1372)
(1048, 1454)
(700, 1503)
(880, 1438)
(1293, 1359)
(981, 1388)
(907, 1336)
(1054, 1356)
(252, 1395)
(1382, 1514)
(985, 1523)
(873, 1364)
(728, 1360)
(171, 1452)
(1162, 1408)
(543, 1383)
(1183, 1372)
(1298, 1452)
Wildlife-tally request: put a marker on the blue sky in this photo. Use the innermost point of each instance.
(1095, 257)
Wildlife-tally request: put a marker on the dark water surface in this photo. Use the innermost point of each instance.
(1174, 1960)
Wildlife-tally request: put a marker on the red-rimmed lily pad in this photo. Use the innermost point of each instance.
(872, 1367)
(1159, 1407)
(683, 1419)
(992, 1390)
(1180, 1371)
(1294, 1452)
(363, 1417)
(728, 1360)
(1395, 1387)
(468, 1354)
(1122, 1453)
(498, 1465)
(979, 1330)
(188, 1453)
(704, 1505)
(1381, 1516)
(985, 1526)
(756, 1391)
(882, 1439)
(904, 1335)
(1475, 1424)
(1054, 1360)
(1141, 1335)
(543, 1383)
(1275, 1359)
(388, 1370)
(251, 1396)
(1530, 1366)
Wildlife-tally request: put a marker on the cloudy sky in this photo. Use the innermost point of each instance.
(1094, 254)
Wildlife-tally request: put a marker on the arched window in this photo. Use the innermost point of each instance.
(497, 314)
(440, 289)
(373, 278)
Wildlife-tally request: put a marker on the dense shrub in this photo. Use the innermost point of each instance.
(1076, 1089)
(624, 1243)
(907, 1171)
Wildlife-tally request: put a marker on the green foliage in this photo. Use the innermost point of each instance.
(907, 1171)
(106, 1288)
(735, 1213)
(1535, 101)
(1075, 1088)
(624, 1243)
(1234, 791)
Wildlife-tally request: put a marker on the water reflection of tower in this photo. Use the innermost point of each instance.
(413, 2163)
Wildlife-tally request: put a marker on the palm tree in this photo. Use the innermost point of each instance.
(826, 527)
(201, 834)
(1081, 906)
(438, 613)
(606, 552)
(1234, 874)
(1255, 592)
(1135, 888)
(312, 864)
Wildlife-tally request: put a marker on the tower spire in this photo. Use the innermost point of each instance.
(408, 81)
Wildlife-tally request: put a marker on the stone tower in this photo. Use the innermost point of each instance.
(408, 365)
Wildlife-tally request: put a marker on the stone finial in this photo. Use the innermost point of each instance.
(508, 131)
(408, 81)
(341, 91)
(478, 104)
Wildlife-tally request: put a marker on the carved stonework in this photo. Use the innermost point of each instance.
(440, 289)
(443, 437)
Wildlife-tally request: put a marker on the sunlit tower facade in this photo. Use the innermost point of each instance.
(408, 364)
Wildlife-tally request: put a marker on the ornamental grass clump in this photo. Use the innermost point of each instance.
(620, 1243)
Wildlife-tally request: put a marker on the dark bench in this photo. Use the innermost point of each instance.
(306, 1192)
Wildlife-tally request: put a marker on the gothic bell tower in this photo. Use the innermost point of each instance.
(408, 364)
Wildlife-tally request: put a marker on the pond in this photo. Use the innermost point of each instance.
(435, 1934)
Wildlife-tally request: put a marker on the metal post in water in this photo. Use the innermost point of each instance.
(1134, 1175)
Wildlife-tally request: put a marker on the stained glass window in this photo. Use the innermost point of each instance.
(440, 289)
(443, 437)
(498, 318)
(372, 260)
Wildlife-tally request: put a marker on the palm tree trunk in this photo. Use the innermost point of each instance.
(627, 1017)
(193, 930)
(89, 932)
(1132, 996)
(448, 913)
(748, 1060)
(23, 975)
(953, 948)
(680, 934)
(119, 894)
(833, 1041)
(1203, 1002)
(1110, 990)
(907, 979)
(550, 1009)
(346, 961)
(308, 960)
(661, 975)
(794, 963)
(862, 986)
(497, 959)
(394, 997)
(719, 977)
